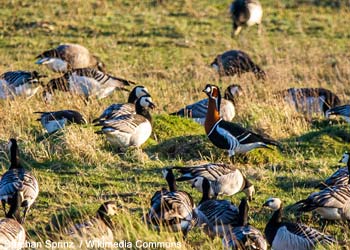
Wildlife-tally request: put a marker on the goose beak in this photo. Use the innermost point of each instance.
(265, 204)
(152, 105)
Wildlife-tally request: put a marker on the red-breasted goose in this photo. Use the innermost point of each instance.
(118, 109)
(287, 235)
(244, 236)
(343, 111)
(56, 120)
(198, 110)
(171, 208)
(67, 57)
(224, 179)
(19, 83)
(226, 135)
(18, 180)
(245, 13)
(236, 62)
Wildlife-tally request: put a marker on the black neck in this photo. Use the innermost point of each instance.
(243, 213)
(14, 155)
(348, 165)
(144, 112)
(15, 205)
(206, 190)
(105, 218)
(132, 96)
(170, 178)
(273, 225)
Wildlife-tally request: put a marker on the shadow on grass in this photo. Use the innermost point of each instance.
(288, 185)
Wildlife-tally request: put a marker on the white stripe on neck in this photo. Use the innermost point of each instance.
(211, 131)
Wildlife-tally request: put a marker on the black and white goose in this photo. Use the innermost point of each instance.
(227, 135)
(224, 179)
(97, 229)
(56, 120)
(118, 109)
(130, 130)
(343, 111)
(245, 13)
(171, 208)
(17, 180)
(287, 235)
(198, 110)
(244, 236)
(236, 62)
(19, 83)
(67, 57)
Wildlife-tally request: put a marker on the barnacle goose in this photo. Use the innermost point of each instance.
(18, 180)
(245, 13)
(198, 110)
(343, 111)
(56, 120)
(118, 109)
(130, 130)
(171, 208)
(86, 82)
(19, 83)
(236, 62)
(67, 57)
(244, 236)
(224, 179)
(226, 135)
(288, 235)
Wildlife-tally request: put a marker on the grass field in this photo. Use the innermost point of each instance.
(168, 47)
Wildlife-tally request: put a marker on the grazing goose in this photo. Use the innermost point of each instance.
(288, 235)
(198, 110)
(19, 83)
(310, 100)
(244, 236)
(56, 120)
(217, 216)
(119, 109)
(67, 57)
(245, 13)
(234, 62)
(343, 111)
(86, 82)
(226, 135)
(97, 229)
(130, 130)
(18, 180)
(173, 208)
(332, 203)
(224, 179)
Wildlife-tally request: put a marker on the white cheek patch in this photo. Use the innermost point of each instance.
(345, 158)
(9, 145)
(140, 92)
(145, 102)
(234, 90)
(215, 66)
(208, 89)
(165, 173)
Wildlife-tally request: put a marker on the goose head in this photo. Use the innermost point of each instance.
(213, 93)
(136, 93)
(232, 92)
(345, 158)
(109, 208)
(146, 102)
(273, 203)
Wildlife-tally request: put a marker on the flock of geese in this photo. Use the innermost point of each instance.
(129, 124)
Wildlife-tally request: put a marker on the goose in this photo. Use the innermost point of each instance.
(19, 83)
(171, 208)
(234, 62)
(245, 13)
(343, 111)
(198, 110)
(130, 130)
(56, 120)
(224, 179)
(332, 203)
(97, 229)
(86, 82)
(226, 135)
(215, 216)
(310, 100)
(244, 236)
(119, 109)
(287, 235)
(17, 179)
(69, 56)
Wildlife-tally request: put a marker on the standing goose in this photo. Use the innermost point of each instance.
(119, 109)
(198, 110)
(56, 120)
(288, 235)
(244, 236)
(67, 57)
(130, 130)
(245, 13)
(226, 135)
(86, 82)
(18, 180)
(343, 111)
(19, 83)
(224, 179)
(234, 62)
(173, 208)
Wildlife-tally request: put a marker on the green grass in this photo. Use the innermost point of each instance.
(168, 47)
